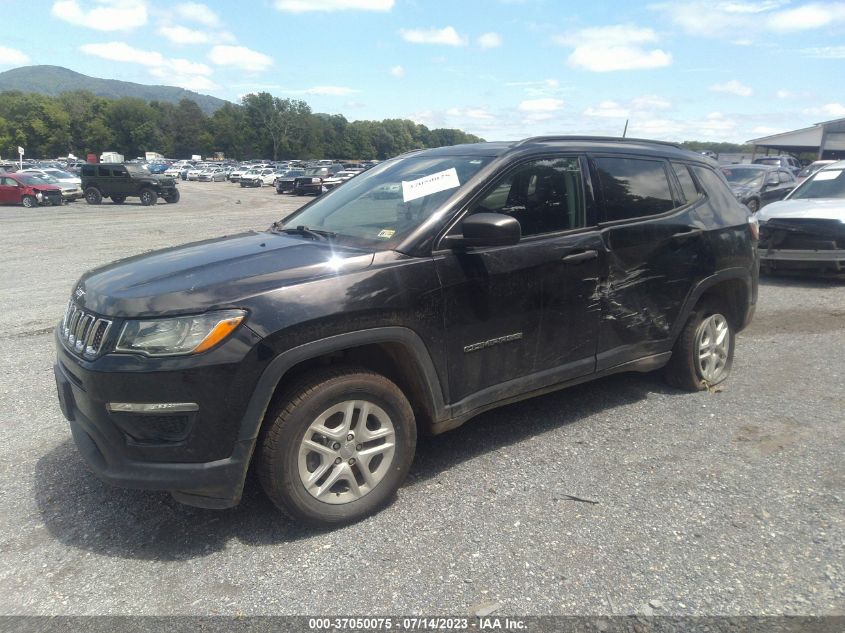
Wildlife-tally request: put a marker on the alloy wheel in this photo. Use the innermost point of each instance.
(712, 348)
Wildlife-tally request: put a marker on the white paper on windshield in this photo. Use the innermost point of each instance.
(427, 185)
(828, 174)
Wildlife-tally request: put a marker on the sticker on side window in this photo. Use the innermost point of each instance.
(828, 174)
(427, 185)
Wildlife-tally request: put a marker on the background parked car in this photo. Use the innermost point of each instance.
(70, 184)
(755, 186)
(811, 169)
(28, 190)
(214, 174)
(311, 182)
(285, 181)
(258, 177)
(787, 162)
(807, 230)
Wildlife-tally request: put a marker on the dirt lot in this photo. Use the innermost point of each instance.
(708, 503)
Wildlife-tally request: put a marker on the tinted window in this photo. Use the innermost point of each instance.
(545, 196)
(716, 187)
(103, 172)
(688, 186)
(87, 170)
(8, 182)
(633, 188)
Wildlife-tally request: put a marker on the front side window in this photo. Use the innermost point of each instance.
(103, 172)
(545, 196)
(386, 203)
(633, 188)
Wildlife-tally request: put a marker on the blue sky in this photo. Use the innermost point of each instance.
(720, 70)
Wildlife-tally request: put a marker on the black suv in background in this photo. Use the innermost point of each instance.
(319, 348)
(755, 186)
(119, 181)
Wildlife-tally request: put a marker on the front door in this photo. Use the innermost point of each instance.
(9, 193)
(524, 310)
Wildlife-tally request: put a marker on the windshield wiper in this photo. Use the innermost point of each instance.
(317, 234)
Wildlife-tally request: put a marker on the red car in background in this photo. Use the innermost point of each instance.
(28, 190)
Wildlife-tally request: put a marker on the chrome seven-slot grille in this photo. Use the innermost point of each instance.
(83, 332)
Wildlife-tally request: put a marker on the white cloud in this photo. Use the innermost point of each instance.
(809, 16)
(609, 110)
(119, 15)
(397, 71)
(303, 6)
(835, 110)
(733, 87)
(447, 36)
(12, 57)
(174, 71)
(490, 40)
(197, 12)
(732, 19)
(617, 47)
(825, 52)
(240, 57)
(183, 35)
(482, 114)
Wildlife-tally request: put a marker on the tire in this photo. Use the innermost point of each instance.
(285, 462)
(93, 195)
(148, 197)
(686, 368)
(118, 199)
(753, 205)
(29, 202)
(172, 198)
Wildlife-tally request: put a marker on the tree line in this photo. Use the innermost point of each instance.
(260, 126)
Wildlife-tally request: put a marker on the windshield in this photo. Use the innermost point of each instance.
(767, 161)
(385, 204)
(58, 173)
(827, 183)
(316, 171)
(745, 177)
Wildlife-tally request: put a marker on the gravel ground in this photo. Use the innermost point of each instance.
(708, 503)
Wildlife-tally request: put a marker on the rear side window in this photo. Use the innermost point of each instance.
(715, 185)
(785, 176)
(688, 186)
(103, 172)
(633, 188)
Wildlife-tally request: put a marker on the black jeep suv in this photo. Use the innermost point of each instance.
(319, 348)
(119, 181)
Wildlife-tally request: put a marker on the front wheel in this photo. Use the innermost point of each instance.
(337, 447)
(704, 352)
(172, 197)
(148, 197)
(29, 202)
(93, 195)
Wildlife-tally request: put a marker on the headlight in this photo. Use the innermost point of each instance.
(178, 335)
(39, 196)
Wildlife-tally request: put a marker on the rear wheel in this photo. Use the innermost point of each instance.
(29, 202)
(703, 354)
(118, 199)
(93, 195)
(337, 447)
(173, 197)
(148, 197)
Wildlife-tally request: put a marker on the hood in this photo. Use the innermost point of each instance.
(806, 208)
(212, 274)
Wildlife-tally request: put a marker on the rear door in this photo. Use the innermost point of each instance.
(525, 309)
(655, 252)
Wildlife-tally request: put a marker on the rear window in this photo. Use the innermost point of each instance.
(633, 188)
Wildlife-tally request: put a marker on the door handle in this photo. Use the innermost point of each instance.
(685, 235)
(583, 256)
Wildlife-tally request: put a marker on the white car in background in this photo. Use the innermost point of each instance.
(806, 230)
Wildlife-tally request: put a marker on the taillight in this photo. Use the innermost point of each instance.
(754, 227)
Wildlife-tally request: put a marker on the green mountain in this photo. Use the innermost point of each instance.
(54, 80)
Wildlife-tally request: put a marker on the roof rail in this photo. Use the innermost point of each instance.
(606, 139)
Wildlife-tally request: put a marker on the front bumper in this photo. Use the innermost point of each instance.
(204, 466)
(803, 258)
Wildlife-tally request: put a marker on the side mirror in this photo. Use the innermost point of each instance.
(487, 229)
